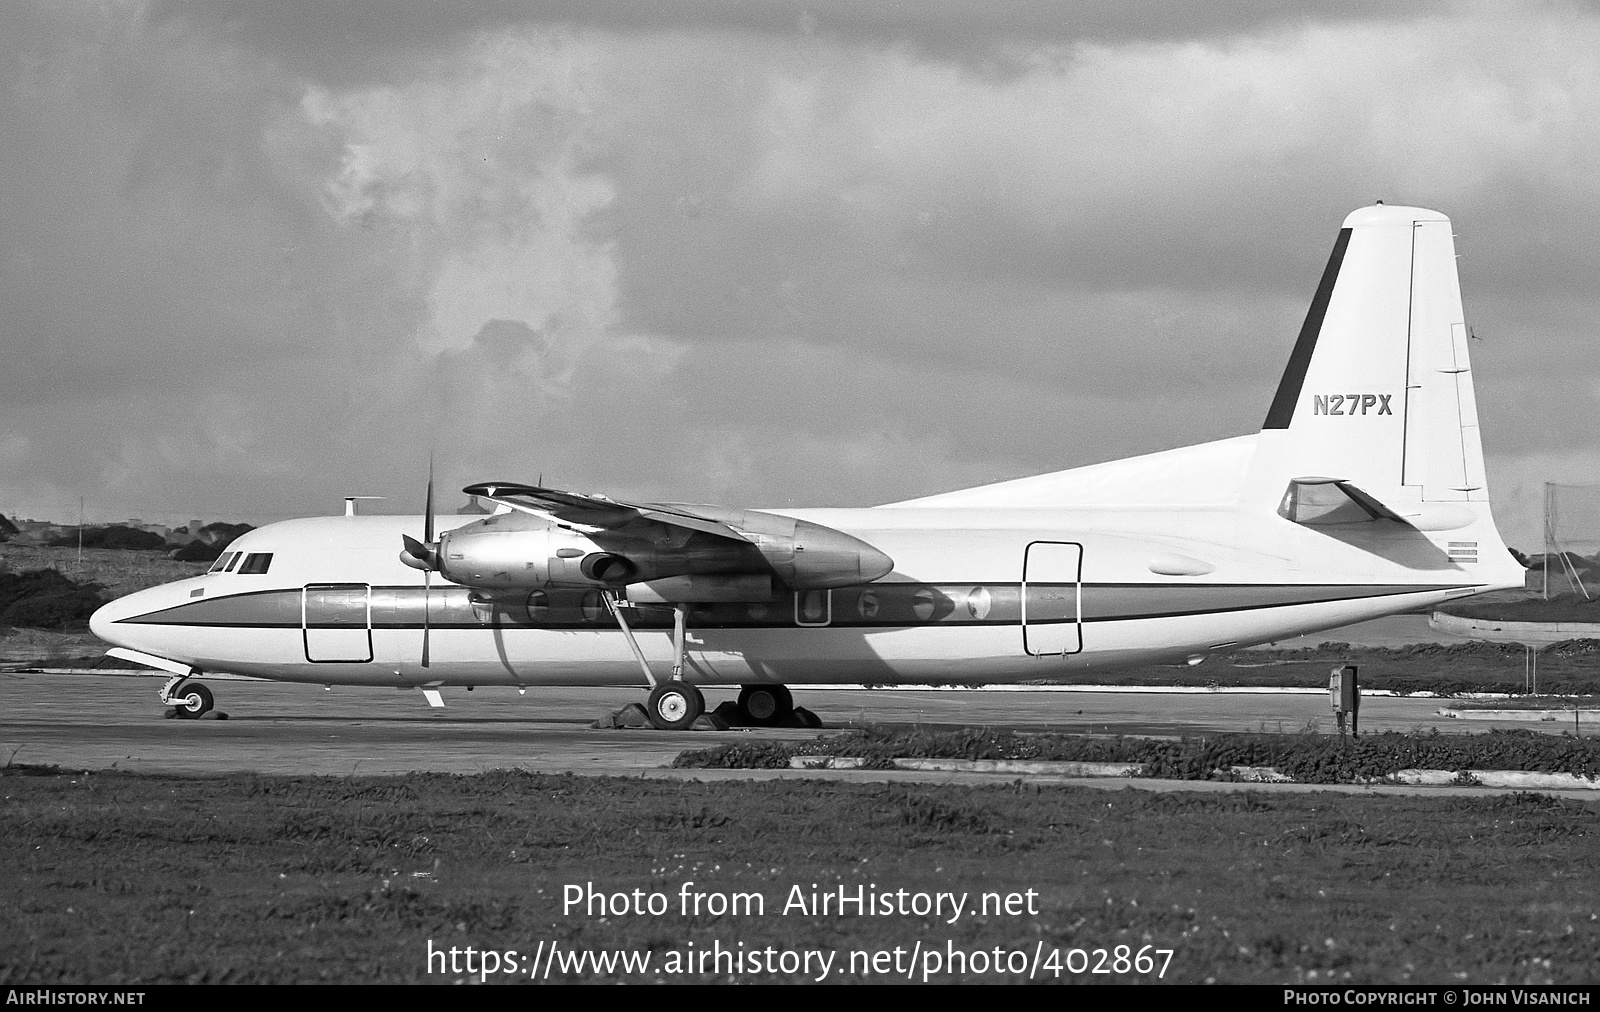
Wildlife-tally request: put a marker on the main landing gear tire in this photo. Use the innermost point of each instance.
(674, 705)
(765, 705)
(194, 700)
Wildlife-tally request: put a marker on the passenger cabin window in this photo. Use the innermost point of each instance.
(223, 562)
(256, 563)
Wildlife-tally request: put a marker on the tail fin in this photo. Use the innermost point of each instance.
(1378, 393)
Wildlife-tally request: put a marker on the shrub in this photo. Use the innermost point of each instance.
(44, 599)
(225, 533)
(199, 551)
(115, 536)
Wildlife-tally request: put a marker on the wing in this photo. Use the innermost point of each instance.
(592, 510)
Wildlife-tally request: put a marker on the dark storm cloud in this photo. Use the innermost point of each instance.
(758, 253)
(347, 40)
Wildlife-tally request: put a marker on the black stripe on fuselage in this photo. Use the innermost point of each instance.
(1294, 377)
(879, 606)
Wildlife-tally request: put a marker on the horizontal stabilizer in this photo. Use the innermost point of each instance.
(1326, 502)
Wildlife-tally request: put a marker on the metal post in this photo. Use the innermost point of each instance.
(1344, 693)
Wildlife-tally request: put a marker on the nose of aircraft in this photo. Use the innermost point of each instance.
(103, 623)
(100, 623)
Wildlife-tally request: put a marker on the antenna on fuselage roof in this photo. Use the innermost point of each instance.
(350, 502)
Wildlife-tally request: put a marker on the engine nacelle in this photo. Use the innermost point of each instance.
(512, 554)
(519, 551)
(804, 555)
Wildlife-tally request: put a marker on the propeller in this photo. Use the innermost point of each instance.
(424, 555)
(433, 560)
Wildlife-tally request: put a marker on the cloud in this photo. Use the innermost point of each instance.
(273, 255)
(359, 39)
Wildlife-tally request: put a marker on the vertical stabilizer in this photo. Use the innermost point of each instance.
(1378, 393)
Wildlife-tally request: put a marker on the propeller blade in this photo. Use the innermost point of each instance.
(431, 556)
(427, 592)
(427, 528)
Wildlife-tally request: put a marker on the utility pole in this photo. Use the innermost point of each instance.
(80, 536)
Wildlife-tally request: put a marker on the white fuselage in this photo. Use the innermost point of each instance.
(1102, 588)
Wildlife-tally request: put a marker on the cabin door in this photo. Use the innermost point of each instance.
(1052, 610)
(337, 619)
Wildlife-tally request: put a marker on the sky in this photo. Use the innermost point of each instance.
(254, 258)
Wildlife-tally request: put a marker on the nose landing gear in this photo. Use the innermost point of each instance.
(195, 701)
(189, 702)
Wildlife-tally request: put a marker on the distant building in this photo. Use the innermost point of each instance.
(37, 532)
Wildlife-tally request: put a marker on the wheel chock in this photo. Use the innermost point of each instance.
(709, 722)
(632, 715)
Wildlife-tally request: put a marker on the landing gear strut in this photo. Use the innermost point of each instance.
(673, 705)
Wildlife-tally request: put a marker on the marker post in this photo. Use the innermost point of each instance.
(1344, 693)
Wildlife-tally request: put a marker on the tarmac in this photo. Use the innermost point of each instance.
(99, 722)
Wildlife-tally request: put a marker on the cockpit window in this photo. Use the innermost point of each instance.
(256, 562)
(234, 558)
(223, 562)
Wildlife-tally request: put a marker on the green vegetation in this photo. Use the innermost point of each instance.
(118, 572)
(122, 879)
(1527, 607)
(1308, 758)
(1571, 668)
(116, 536)
(44, 599)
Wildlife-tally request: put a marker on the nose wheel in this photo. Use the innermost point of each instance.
(673, 705)
(190, 702)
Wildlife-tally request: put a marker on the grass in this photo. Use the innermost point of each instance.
(119, 571)
(1307, 757)
(123, 879)
(1565, 668)
(1528, 606)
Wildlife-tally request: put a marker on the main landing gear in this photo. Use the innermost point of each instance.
(674, 704)
(765, 705)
